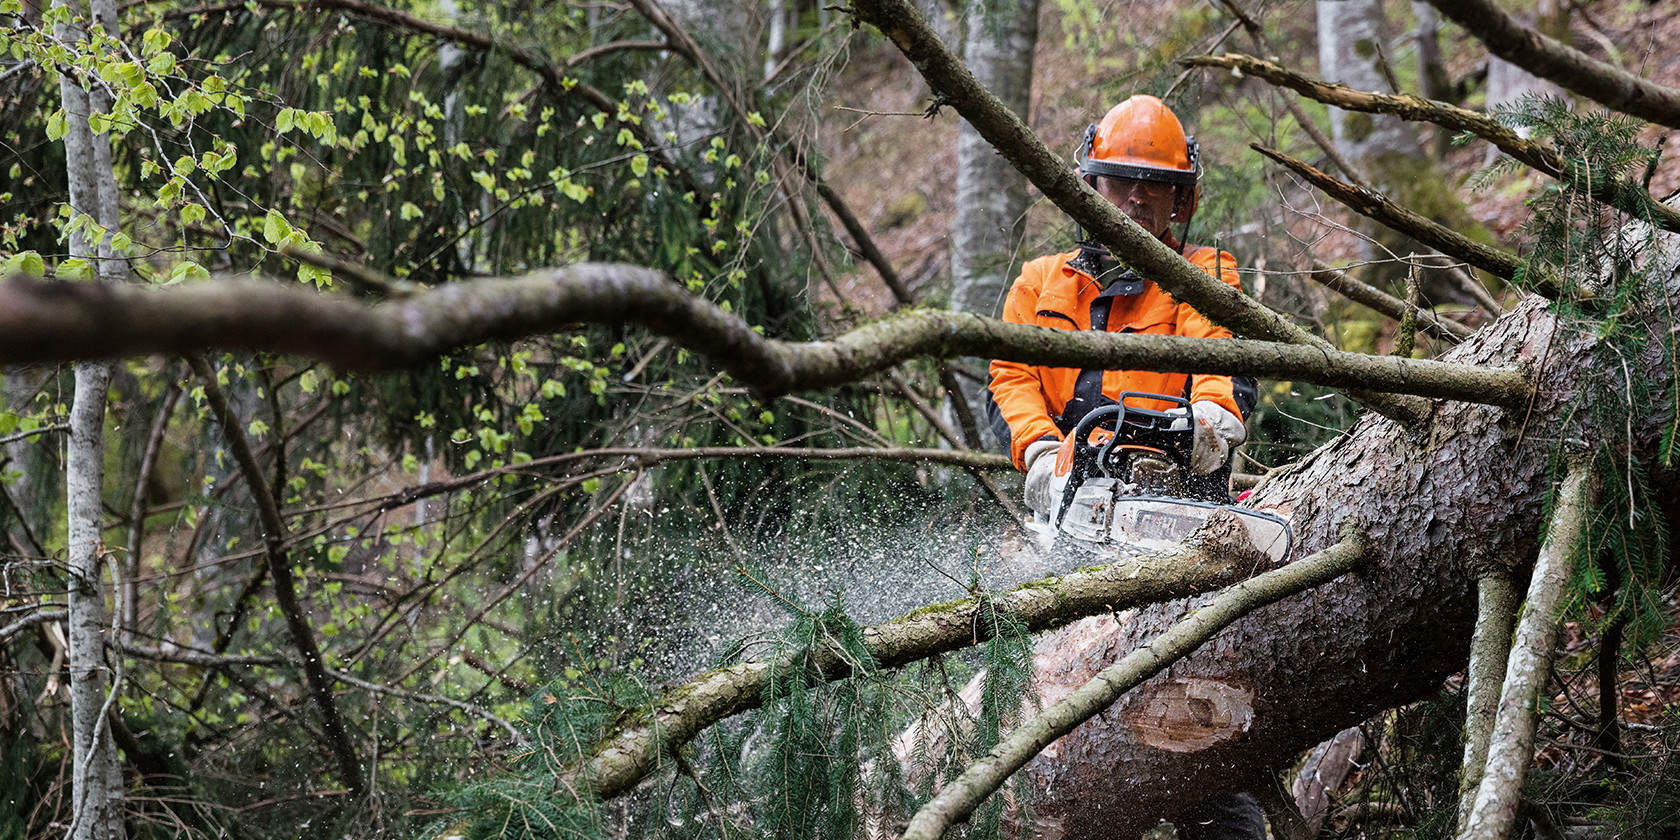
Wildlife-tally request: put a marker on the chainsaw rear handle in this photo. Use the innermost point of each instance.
(1132, 426)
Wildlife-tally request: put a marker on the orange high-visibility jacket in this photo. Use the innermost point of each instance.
(1052, 293)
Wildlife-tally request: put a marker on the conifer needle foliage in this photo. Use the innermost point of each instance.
(1620, 299)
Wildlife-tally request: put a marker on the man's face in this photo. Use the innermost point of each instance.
(1148, 203)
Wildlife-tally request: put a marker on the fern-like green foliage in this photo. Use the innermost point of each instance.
(816, 760)
(563, 721)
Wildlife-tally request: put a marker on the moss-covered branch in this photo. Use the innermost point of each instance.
(1560, 63)
(48, 322)
(1529, 666)
(1500, 263)
(635, 750)
(1626, 196)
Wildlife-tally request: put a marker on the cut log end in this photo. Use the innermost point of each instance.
(1188, 714)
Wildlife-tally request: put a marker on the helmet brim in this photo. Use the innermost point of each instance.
(1135, 172)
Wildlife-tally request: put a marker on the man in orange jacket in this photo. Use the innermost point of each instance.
(1139, 158)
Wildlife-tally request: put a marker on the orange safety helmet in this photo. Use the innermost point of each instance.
(1142, 140)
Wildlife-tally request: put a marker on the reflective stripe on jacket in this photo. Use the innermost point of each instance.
(1052, 293)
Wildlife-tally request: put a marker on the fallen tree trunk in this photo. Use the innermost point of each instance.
(1435, 506)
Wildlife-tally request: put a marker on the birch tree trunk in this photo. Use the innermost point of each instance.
(96, 778)
(989, 223)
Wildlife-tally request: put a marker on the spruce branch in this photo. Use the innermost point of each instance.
(1624, 195)
(961, 796)
(60, 321)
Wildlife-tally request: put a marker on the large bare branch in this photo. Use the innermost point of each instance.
(1496, 616)
(1626, 196)
(1560, 63)
(1511, 747)
(1500, 263)
(58, 321)
(1378, 300)
(636, 748)
(981, 779)
(904, 25)
(280, 572)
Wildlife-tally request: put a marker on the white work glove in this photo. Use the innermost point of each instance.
(1218, 431)
(1040, 459)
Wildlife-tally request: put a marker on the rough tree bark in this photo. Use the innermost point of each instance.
(959, 797)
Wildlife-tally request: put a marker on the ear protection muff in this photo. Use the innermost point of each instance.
(1188, 199)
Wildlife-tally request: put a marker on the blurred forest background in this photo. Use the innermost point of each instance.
(500, 552)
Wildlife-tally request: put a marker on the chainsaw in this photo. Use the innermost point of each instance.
(1122, 483)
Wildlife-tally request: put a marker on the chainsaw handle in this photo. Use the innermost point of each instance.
(1155, 417)
(1122, 413)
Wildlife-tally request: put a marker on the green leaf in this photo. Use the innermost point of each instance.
(75, 270)
(275, 227)
(409, 211)
(574, 190)
(192, 213)
(186, 270)
(25, 263)
(56, 125)
(639, 165)
(153, 42)
(285, 120)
